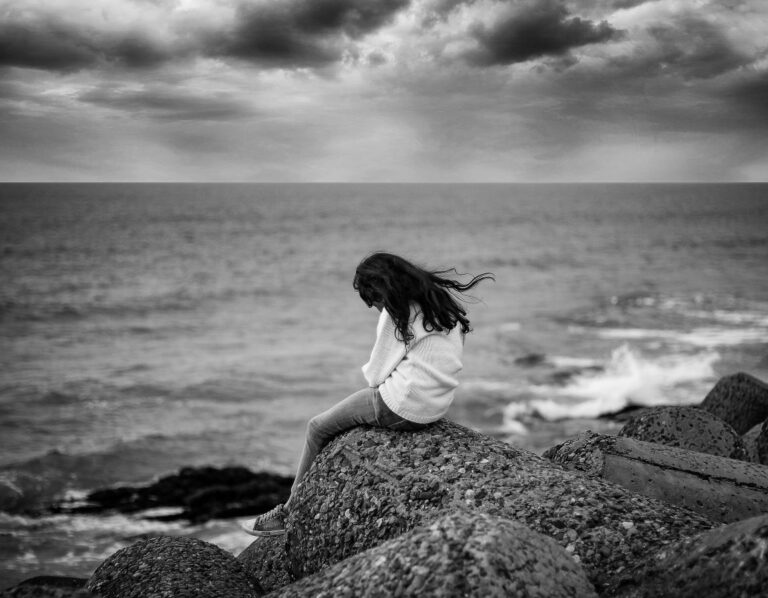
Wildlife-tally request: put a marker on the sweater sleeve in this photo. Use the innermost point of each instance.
(387, 352)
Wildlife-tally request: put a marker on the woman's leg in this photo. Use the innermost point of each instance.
(355, 410)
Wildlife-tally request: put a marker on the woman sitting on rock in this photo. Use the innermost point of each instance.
(413, 369)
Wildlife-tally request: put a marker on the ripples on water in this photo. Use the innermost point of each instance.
(147, 327)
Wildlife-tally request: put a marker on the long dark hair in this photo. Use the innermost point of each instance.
(396, 283)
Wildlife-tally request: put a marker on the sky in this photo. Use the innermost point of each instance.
(384, 90)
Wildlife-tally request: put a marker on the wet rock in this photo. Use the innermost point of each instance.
(531, 360)
(200, 493)
(265, 560)
(740, 400)
(750, 443)
(370, 485)
(689, 428)
(49, 586)
(722, 489)
(459, 554)
(175, 567)
(723, 563)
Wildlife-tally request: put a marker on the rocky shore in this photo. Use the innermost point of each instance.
(675, 505)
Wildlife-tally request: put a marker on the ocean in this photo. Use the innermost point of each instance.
(147, 327)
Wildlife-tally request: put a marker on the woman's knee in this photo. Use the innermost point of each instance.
(317, 428)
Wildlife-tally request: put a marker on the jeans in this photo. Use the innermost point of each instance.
(363, 407)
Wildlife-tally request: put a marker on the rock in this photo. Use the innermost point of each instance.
(722, 489)
(750, 443)
(201, 493)
(49, 586)
(265, 560)
(175, 567)
(371, 484)
(459, 554)
(689, 428)
(761, 444)
(740, 400)
(531, 360)
(723, 563)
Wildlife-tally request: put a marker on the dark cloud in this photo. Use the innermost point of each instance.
(628, 3)
(55, 46)
(541, 29)
(275, 33)
(687, 47)
(305, 32)
(695, 48)
(44, 46)
(162, 104)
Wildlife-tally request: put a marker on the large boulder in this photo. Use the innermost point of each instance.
(723, 563)
(460, 554)
(689, 428)
(740, 400)
(173, 567)
(750, 443)
(761, 444)
(265, 560)
(720, 488)
(371, 484)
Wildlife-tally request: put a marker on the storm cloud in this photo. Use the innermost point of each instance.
(304, 32)
(52, 44)
(540, 29)
(398, 90)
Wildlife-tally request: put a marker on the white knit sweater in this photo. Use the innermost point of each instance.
(416, 382)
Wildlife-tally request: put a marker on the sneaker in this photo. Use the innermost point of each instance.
(271, 523)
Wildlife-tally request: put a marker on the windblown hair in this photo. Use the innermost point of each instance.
(397, 283)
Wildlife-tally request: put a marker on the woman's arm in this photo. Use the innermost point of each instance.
(387, 352)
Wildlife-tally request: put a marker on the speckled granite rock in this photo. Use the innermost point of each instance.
(370, 485)
(740, 400)
(460, 554)
(49, 586)
(761, 444)
(727, 562)
(174, 568)
(689, 428)
(265, 560)
(750, 443)
(722, 489)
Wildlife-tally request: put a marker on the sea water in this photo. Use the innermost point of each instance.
(148, 327)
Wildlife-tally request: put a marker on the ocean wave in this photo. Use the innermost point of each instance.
(628, 378)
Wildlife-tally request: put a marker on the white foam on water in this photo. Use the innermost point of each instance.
(117, 524)
(636, 333)
(510, 425)
(698, 337)
(720, 337)
(573, 362)
(501, 388)
(629, 378)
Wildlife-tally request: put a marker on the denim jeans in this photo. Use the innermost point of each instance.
(363, 407)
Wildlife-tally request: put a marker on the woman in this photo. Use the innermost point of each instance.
(414, 365)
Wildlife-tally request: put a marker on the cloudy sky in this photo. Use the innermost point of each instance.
(384, 90)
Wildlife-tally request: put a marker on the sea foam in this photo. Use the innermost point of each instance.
(628, 378)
